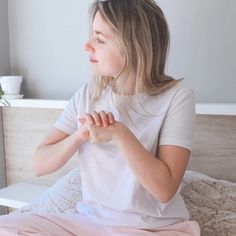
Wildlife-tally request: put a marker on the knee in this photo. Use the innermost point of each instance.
(6, 220)
(3, 220)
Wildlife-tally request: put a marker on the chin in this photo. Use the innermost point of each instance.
(99, 74)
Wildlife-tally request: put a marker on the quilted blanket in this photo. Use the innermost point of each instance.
(211, 202)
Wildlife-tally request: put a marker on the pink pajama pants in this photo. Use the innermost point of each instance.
(77, 225)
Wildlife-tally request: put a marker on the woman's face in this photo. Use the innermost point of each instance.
(104, 50)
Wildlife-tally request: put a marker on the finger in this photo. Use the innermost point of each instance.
(111, 118)
(104, 118)
(82, 120)
(89, 118)
(96, 118)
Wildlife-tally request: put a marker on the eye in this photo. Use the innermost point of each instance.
(99, 40)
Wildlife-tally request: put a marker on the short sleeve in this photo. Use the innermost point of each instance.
(67, 122)
(178, 125)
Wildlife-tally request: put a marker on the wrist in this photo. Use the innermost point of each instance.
(81, 136)
(119, 131)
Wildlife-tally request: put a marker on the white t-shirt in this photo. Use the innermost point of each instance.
(111, 193)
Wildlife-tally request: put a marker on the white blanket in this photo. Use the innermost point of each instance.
(211, 202)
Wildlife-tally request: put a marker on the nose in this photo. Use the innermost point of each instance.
(89, 47)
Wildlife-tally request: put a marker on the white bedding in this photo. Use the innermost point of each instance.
(210, 202)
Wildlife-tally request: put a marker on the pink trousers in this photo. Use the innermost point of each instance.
(77, 225)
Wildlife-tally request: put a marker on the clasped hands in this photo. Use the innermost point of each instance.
(98, 127)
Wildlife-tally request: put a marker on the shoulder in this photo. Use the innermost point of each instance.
(79, 96)
(78, 99)
(178, 91)
(175, 97)
(179, 119)
(181, 105)
(178, 96)
(182, 95)
(81, 92)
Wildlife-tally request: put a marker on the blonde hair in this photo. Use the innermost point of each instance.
(143, 32)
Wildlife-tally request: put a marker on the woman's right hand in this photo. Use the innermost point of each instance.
(83, 132)
(94, 126)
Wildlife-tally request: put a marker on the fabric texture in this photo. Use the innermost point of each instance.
(211, 202)
(29, 224)
(103, 165)
(62, 197)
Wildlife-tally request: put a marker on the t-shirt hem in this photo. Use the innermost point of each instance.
(179, 143)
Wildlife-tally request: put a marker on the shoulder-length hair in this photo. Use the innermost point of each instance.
(142, 30)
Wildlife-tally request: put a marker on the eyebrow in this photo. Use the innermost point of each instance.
(98, 32)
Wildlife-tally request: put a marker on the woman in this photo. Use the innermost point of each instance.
(132, 125)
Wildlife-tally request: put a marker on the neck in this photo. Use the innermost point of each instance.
(129, 87)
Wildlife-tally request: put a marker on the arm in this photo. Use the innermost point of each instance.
(160, 176)
(63, 140)
(56, 149)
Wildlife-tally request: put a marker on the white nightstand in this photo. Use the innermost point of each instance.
(19, 195)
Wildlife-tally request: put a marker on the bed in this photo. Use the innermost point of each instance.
(209, 185)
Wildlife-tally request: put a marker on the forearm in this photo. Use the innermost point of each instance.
(152, 173)
(49, 158)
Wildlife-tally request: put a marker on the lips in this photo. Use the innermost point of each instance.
(93, 60)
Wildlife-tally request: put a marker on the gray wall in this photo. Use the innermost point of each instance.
(47, 38)
(203, 46)
(46, 46)
(4, 69)
(4, 39)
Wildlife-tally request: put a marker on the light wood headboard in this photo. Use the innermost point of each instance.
(214, 150)
(24, 129)
(214, 146)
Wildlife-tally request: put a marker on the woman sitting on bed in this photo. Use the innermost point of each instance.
(132, 126)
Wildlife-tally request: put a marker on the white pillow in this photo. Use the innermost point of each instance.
(60, 198)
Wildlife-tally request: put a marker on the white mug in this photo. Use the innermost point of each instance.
(11, 84)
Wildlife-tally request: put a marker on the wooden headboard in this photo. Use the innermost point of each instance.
(214, 149)
(214, 146)
(24, 129)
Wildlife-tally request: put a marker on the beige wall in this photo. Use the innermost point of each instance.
(2, 160)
